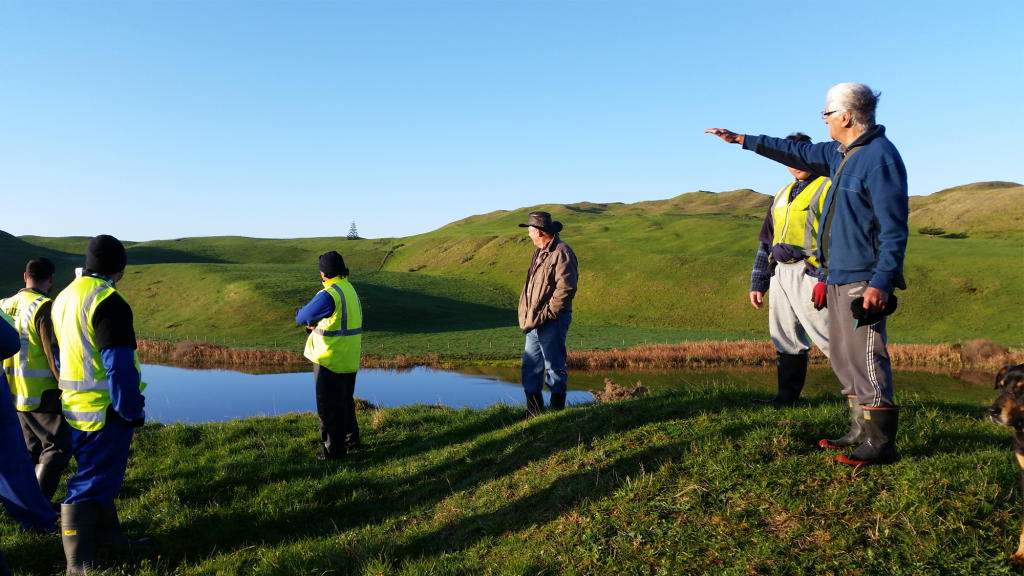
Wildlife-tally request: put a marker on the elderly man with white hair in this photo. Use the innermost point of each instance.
(862, 240)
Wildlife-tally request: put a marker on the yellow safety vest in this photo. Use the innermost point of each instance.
(82, 375)
(28, 371)
(335, 342)
(796, 223)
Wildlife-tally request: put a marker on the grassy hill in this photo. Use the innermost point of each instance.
(688, 481)
(650, 271)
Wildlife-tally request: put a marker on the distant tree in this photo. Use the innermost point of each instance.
(353, 234)
(931, 231)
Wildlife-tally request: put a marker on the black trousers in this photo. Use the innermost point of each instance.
(47, 434)
(336, 409)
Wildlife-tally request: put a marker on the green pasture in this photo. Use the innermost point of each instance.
(668, 270)
(684, 481)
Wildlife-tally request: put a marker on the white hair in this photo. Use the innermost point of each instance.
(858, 100)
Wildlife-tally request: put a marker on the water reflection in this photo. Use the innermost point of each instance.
(188, 395)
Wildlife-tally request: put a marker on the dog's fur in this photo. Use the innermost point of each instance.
(1008, 411)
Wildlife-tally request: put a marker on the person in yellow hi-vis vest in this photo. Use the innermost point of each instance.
(102, 399)
(32, 375)
(334, 319)
(787, 264)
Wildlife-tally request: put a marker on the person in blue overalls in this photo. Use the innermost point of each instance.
(102, 399)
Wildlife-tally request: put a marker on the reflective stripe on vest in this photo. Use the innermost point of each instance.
(28, 371)
(89, 381)
(805, 209)
(344, 317)
(335, 342)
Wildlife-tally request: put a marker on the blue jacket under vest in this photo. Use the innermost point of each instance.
(868, 235)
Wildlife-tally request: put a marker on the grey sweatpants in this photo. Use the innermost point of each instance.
(791, 314)
(48, 438)
(859, 357)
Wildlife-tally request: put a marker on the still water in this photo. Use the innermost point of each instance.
(190, 395)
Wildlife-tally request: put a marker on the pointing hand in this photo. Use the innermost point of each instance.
(730, 137)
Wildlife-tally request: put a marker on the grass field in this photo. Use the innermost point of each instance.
(689, 481)
(669, 270)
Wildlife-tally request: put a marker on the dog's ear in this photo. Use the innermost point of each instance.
(999, 377)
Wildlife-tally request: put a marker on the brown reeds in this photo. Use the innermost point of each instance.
(613, 392)
(974, 354)
(194, 353)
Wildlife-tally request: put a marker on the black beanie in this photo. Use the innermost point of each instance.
(332, 264)
(105, 255)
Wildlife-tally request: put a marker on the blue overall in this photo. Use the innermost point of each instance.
(19, 489)
(102, 456)
(545, 355)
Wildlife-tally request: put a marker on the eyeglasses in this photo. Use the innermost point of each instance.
(825, 115)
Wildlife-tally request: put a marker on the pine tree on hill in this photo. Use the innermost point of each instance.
(352, 233)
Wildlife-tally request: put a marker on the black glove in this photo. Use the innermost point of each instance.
(138, 422)
(309, 330)
(864, 318)
(142, 398)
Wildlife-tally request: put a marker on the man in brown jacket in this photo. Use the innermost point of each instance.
(545, 312)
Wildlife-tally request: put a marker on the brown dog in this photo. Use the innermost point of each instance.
(1008, 411)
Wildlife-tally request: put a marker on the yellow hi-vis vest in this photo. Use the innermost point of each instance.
(796, 223)
(334, 343)
(28, 371)
(82, 375)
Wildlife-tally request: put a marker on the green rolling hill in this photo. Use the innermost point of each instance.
(661, 270)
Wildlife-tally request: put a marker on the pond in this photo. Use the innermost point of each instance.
(189, 395)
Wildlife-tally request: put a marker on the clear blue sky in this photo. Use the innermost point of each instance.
(155, 120)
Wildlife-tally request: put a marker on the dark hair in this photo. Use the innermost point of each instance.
(40, 269)
(799, 137)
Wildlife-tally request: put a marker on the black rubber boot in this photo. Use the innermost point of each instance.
(108, 529)
(48, 477)
(792, 374)
(534, 404)
(853, 437)
(557, 401)
(878, 444)
(78, 532)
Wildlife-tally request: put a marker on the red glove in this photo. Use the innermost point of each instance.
(818, 296)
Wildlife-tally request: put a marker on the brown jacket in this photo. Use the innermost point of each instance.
(552, 287)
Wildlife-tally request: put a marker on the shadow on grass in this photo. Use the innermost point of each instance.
(229, 504)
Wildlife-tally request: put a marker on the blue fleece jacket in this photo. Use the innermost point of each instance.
(10, 342)
(124, 381)
(320, 307)
(868, 236)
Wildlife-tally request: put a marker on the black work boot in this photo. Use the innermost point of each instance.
(557, 401)
(108, 529)
(878, 442)
(534, 404)
(78, 532)
(48, 477)
(853, 437)
(792, 374)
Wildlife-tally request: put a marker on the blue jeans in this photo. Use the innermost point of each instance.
(545, 354)
(102, 458)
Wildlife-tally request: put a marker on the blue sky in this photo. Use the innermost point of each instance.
(288, 119)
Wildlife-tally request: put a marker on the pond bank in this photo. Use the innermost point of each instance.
(972, 355)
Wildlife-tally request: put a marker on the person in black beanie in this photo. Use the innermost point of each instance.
(101, 400)
(334, 319)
